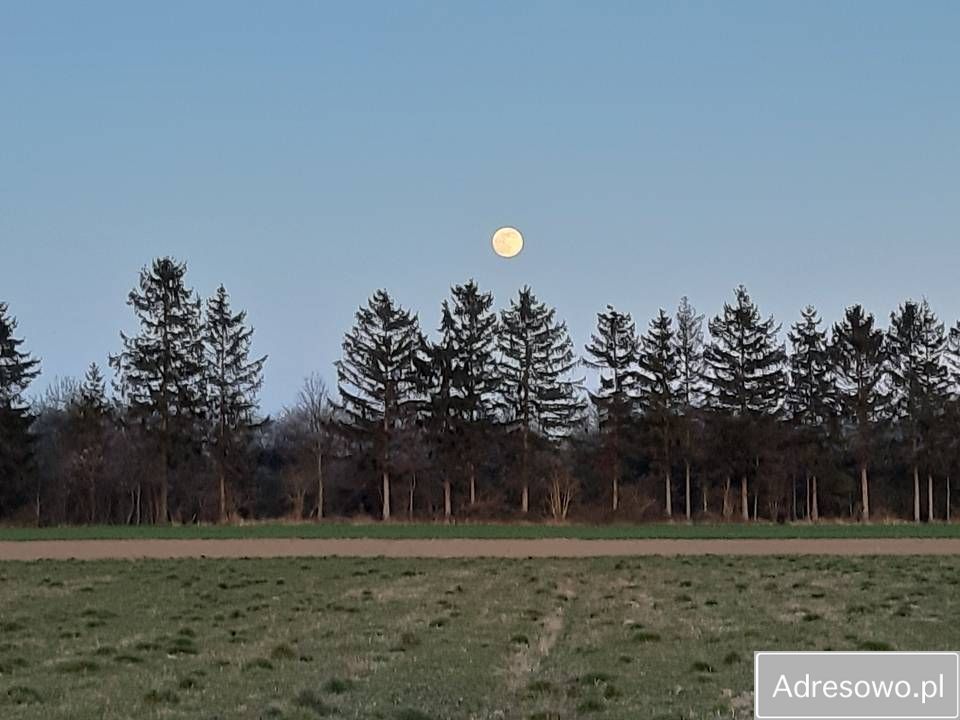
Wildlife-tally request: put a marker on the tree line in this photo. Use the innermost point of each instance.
(490, 416)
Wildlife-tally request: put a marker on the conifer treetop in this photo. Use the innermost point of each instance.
(537, 361)
(17, 368)
(745, 359)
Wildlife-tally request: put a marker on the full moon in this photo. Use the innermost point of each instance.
(507, 242)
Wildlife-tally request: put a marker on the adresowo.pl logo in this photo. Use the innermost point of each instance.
(856, 685)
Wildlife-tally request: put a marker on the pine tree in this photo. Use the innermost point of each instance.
(746, 375)
(537, 360)
(858, 351)
(378, 378)
(233, 381)
(160, 368)
(614, 351)
(469, 329)
(918, 381)
(659, 373)
(688, 347)
(811, 401)
(17, 370)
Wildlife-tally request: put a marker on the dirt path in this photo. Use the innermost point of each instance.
(552, 548)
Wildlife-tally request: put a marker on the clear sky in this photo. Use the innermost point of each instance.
(305, 154)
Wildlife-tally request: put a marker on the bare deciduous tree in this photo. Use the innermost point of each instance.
(562, 488)
(317, 414)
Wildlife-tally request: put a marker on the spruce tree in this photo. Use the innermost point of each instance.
(469, 329)
(935, 387)
(17, 370)
(89, 418)
(951, 357)
(435, 368)
(857, 347)
(160, 369)
(950, 425)
(918, 381)
(903, 340)
(537, 361)
(378, 379)
(746, 374)
(811, 401)
(614, 350)
(659, 373)
(688, 347)
(92, 396)
(233, 381)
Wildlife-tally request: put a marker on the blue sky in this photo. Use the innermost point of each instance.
(305, 154)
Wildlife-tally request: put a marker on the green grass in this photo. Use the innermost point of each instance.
(392, 530)
(358, 638)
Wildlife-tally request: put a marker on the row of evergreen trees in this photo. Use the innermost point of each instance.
(852, 391)
(490, 416)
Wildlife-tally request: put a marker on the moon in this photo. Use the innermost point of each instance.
(507, 242)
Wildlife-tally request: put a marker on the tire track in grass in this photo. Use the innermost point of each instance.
(527, 659)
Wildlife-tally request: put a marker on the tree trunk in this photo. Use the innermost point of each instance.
(525, 493)
(384, 465)
(615, 488)
(139, 497)
(930, 517)
(668, 490)
(814, 500)
(727, 510)
(411, 491)
(473, 485)
(948, 498)
(744, 499)
(386, 495)
(703, 494)
(162, 509)
(864, 494)
(793, 497)
(808, 503)
(686, 491)
(222, 485)
(916, 494)
(615, 466)
(447, 500)
(319, 485)
(616, 491)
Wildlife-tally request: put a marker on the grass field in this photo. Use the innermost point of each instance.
(468, 530)
(415, 640)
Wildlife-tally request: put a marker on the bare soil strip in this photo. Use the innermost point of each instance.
(462, 548)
